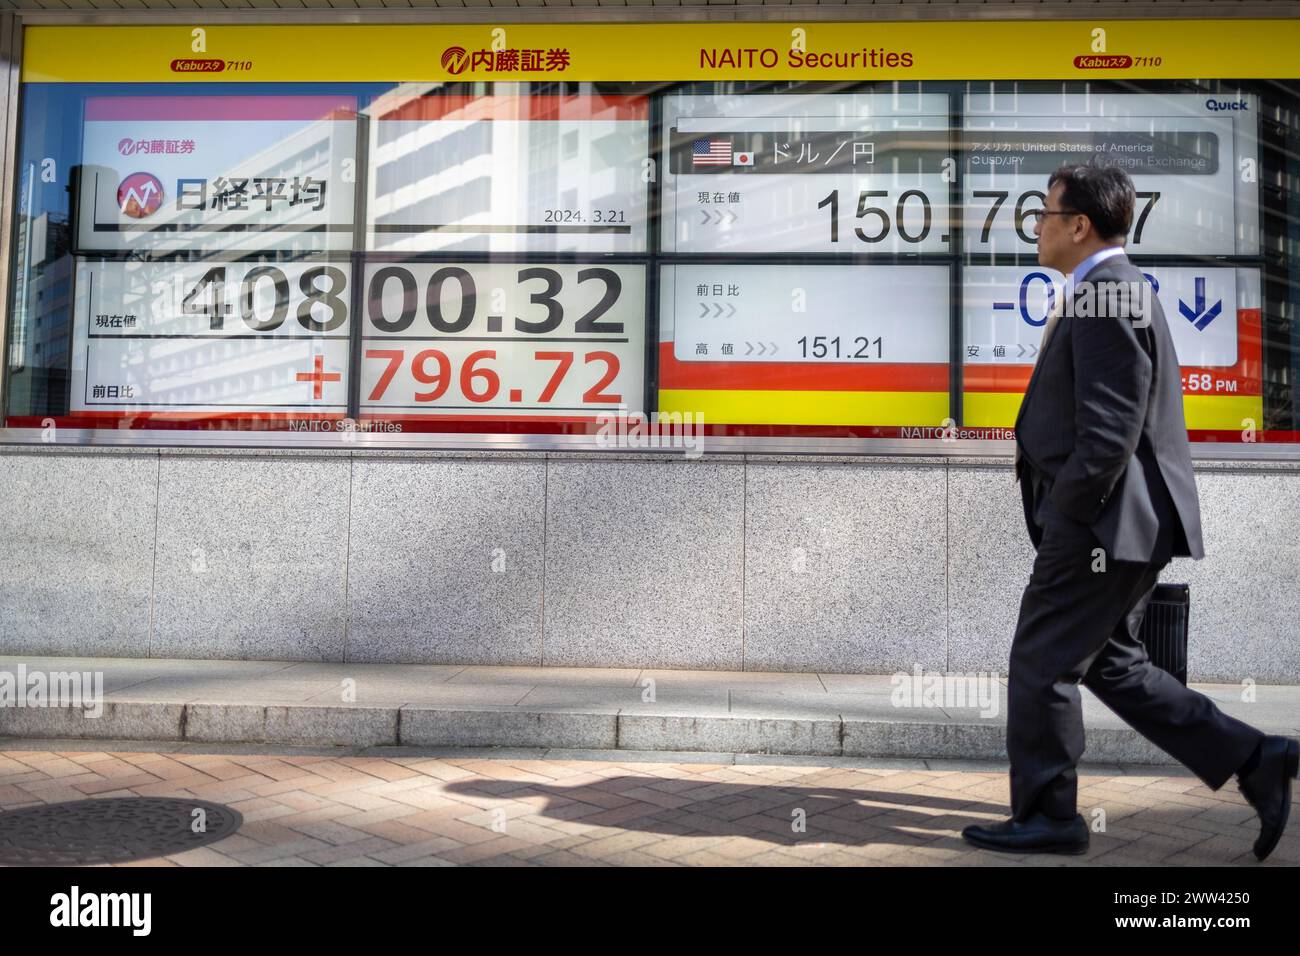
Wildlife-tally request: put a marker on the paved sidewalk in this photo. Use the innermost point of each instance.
(409, 808)
(359, 705)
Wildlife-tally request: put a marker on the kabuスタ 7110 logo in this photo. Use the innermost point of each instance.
(457, 60)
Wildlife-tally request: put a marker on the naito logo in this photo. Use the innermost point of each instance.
(140, 195)
(455, 59)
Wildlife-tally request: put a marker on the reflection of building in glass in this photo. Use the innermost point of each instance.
(795, 172)
(250, 202)
(38, 353)
(426, 173)
(204, 367)
(480, 170)
(212, 368)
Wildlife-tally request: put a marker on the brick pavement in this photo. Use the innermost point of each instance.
(318, 809)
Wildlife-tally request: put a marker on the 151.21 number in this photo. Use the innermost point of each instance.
(822, 347)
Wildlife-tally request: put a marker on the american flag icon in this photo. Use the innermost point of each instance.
(711, 152)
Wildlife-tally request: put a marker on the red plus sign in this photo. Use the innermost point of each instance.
(318, 376)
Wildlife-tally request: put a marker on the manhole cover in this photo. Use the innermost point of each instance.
(112, 830)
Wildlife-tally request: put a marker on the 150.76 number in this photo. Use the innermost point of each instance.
(877, 223)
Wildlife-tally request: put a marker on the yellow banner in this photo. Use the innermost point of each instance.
(775, 407)
(1210, 412)
(982, 50)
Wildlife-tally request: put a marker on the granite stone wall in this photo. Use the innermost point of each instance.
(728, 562)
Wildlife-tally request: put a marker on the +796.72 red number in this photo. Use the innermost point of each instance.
(480, 383)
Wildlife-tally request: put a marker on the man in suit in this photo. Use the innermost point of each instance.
(1105, 474)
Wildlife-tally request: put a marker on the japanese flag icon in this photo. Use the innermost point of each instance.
(742, 159)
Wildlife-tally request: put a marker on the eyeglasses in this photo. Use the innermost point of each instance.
(1036, 215)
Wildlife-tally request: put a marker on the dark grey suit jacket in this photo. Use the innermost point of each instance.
(1102, 435)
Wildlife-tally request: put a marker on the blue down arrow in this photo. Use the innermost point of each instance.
(1201, 316)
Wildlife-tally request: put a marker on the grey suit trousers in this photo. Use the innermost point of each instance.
(1078, 625)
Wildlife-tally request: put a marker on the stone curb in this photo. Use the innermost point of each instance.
(424, 726)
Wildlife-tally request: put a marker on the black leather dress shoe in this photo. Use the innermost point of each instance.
(1038, 834)
(1268, 789)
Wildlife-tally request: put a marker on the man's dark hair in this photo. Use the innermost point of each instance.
(1102, 193)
